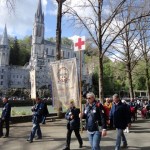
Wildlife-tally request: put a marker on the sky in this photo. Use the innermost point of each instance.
(20, 22)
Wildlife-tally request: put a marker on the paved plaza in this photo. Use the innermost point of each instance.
(54, 136)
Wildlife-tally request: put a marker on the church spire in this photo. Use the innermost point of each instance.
(39, 10)
(4, 40)
(39, 16)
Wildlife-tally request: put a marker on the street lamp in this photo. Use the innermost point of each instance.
(58, 29)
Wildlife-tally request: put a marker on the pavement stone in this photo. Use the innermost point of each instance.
(54, 136)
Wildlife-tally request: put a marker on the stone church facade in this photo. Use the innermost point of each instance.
(42, 53)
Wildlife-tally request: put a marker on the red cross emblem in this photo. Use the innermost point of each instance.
(80, 44)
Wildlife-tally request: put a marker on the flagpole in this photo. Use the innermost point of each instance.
(78, 46)
(33, 84)
(81, 88)
(35, 87)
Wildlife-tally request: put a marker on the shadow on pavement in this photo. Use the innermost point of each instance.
(107, 147)
(83, 148)
(141, 121)
(138, 148)
(145, 148)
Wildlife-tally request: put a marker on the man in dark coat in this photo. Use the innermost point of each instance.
(37, 110)
(72, 115)
(5, 117)
(121, 119)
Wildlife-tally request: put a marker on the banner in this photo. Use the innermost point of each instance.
(33, 84)
(64, 82)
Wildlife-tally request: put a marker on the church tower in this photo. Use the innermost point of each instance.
(4, 49)
(37, 51)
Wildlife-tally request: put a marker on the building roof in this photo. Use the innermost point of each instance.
(54, 44)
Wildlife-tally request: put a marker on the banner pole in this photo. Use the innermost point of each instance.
(81, 89)
(35, 87)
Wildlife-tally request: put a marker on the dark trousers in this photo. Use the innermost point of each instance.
(77, 134)
(43, 119)
(6, 121)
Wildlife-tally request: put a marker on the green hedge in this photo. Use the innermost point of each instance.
(19, 103)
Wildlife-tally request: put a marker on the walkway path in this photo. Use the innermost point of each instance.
(54, 136)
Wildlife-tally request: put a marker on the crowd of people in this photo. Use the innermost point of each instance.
(98, 116)
(113, 114)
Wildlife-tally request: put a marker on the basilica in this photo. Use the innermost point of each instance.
(43, 52)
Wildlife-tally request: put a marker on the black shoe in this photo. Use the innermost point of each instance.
(38, 138)
(5, 136)
(66, 148)
(124, 146)
(80, 146)
(30, 141)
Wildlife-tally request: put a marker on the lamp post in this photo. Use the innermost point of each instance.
(58, 29)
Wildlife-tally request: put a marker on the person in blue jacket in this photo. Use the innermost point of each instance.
(37, 111)
(95, 121)
(72, 116)
(5, 117)
(121, 119)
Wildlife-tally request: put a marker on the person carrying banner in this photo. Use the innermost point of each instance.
(72, 115)
(37, 110)
(95, 117)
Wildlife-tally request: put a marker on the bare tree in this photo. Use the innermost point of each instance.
(126, 44)
(97, 18)
(10, 4)
(143, 29)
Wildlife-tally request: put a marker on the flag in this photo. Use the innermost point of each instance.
(64, 82)
(79, 43)
(33, 84)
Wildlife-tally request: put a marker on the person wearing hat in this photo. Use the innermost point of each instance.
(73, 124)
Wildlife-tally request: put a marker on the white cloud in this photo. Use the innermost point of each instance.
(21, 21)
(76, 5)
(84, 10)
(53, 8)
(73, 38)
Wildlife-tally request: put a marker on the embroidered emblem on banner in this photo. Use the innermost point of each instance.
(63, 75)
